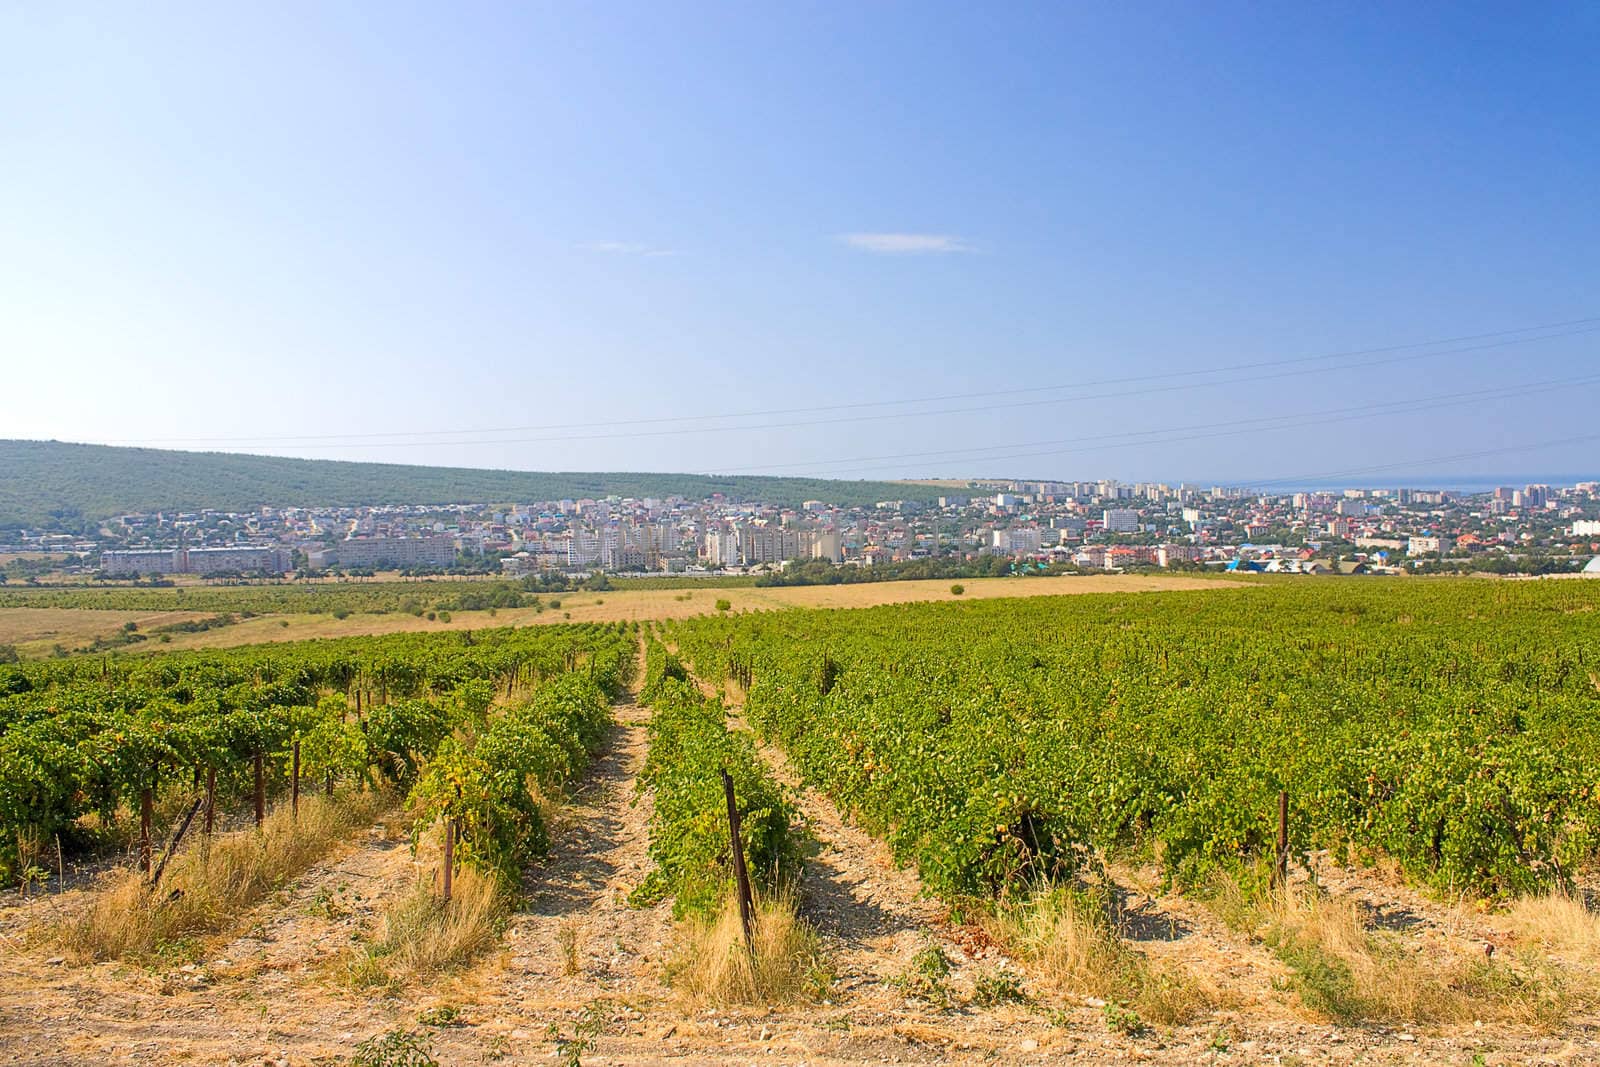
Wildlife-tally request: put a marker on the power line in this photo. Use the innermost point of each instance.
(1178, 387)
(1232, 428)
(1165, 376)
(1404, 464)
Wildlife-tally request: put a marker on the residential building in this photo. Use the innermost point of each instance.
(1120, 520)
(1429, 546)
(438, 550)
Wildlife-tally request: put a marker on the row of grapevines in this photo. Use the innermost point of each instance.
(89, 736)
(488, 782)
(690, 747)
(1453, 726)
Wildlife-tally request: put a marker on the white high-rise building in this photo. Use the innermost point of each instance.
(1120, 520)
(722, 548)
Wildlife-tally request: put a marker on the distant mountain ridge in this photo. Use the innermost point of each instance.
(61, 485)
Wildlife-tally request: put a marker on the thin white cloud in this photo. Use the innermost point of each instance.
(627, 248)
(905, 244)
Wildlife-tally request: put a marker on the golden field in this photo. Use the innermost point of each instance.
(35, 630)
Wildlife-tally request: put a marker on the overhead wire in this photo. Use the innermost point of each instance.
(1300, 371)
(1180, 434)
(1309, 479)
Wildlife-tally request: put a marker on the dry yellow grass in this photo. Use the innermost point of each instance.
(1344, 970)
(1560, 922)
(34, 631)
(647, 604)
(711, 966)
(211, 882)
(422, 935)
(1071, 945)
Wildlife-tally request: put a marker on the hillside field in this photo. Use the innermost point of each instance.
(982, 828)
(302, 615)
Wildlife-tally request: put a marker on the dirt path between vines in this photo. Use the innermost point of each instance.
(265, 986)
(270, 996)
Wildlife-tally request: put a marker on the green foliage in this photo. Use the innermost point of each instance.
(485, 596)
(58, 485)
(396, 1048)
(585, 1032)
(661, 667)
(1000, 986)
(1122, 1019)
(273, 596)
(332, 743)
(88, 736)
(822, 572)
(440, 1015)
(1453, 726)
(927, 977)
(690, 746)
(1323, 981)
(492, 790)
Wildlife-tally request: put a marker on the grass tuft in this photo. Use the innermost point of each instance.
(1343, 970)
(1068, 937)
(422, 935)
(1562, 923)
(210, 883)
(712, 966)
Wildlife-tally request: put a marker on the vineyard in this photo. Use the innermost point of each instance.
(85, 737)
(1452, 728)
(970, 831)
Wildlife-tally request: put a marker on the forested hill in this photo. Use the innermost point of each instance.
(51, 483)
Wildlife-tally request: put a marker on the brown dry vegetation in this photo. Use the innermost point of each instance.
(1074, 947)
(608, 606)
(783, 964)
(1346, 969)
(34, 631)
(421, 934)
(211, 882)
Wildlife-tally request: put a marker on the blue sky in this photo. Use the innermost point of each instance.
(500, 235)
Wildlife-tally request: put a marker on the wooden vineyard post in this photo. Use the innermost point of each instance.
(177, 839)
(449, 856)
(146, 803)
(294, 784)
(1280, 869)
(261, 791)
(741, 873)
(211, 799)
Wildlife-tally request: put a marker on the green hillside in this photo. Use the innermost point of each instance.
(54, 484)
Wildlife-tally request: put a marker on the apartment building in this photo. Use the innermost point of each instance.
(229, 559)
(1120, 520)
(438, 550)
